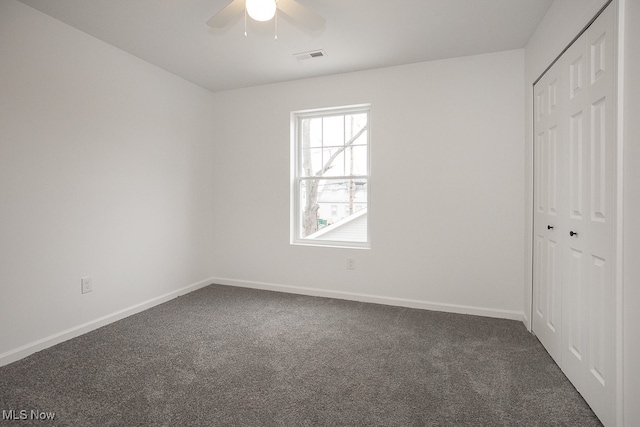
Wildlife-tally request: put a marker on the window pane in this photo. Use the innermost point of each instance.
(333, 131)
(310, 161)
(356, 160)
(333, 159)
(354, 124)
(311, 132)
(333, 209)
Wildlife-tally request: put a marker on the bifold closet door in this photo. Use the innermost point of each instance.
(549, 200)
(588, 303)
(575, 181)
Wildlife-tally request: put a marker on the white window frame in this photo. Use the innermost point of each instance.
(296, 178)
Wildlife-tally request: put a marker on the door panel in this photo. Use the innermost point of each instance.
(573, 315)
(549, 201)
(575, 303)
(576, 161)
(600, 369)
(598, 160)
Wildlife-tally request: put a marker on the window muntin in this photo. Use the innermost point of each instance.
(330, 172)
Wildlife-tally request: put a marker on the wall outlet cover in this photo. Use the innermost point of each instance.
(87, 284)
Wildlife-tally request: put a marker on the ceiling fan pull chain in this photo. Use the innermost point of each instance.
(245, 22)
(276, 24)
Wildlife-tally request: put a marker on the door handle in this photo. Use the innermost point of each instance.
(573, 233)
(549, 227)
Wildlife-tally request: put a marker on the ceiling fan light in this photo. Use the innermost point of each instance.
(261, 10)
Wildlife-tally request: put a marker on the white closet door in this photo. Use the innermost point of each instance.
(574, 178)
(588, 303)
(549, 203)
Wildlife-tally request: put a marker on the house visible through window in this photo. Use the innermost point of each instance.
(330, 191)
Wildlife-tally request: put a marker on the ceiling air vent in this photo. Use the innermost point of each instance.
(312, 54)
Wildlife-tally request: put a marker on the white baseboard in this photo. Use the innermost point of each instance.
(376, 299)
(25, 350)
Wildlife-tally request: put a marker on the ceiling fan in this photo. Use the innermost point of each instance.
(265, 10)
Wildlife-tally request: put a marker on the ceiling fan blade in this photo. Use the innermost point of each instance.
(226, 15)
(301, 15)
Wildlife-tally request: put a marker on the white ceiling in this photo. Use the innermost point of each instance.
(359, 34)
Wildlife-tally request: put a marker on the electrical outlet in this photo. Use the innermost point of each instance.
(351, 264)
(87, 284)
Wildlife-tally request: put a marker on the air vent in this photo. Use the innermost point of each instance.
(312, 54)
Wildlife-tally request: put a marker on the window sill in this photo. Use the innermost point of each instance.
(335, 245)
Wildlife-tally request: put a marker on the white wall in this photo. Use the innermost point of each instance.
(448, 131)
(631, 228)
(103, 171)
(563, 21)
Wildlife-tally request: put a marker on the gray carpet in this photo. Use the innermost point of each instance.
(225, 356)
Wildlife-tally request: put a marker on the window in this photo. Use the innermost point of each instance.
(330, 175)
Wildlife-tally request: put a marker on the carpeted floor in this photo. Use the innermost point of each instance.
(225, 356)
